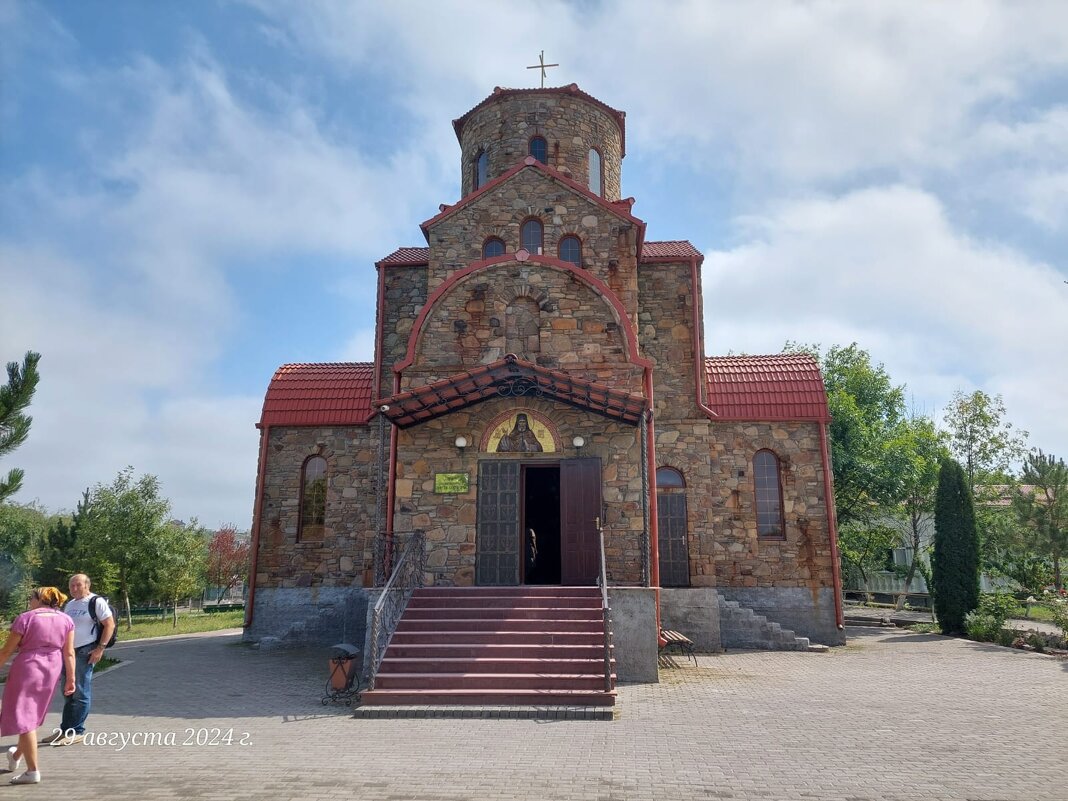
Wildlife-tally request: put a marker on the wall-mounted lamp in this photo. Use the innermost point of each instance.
(578, 442)
(461, 443)
(384, 408)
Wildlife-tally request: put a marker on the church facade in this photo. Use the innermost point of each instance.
(540, 376)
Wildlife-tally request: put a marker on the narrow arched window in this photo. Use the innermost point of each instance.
(571, 250)
(492, 247)
(533, 236)
(539, 149)
(596, 177)
(767, 482)
(481, 169)
(671, 523)
(312, 500)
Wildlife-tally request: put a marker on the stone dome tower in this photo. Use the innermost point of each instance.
(564, 127)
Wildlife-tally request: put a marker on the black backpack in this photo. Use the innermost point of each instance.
(96, 620)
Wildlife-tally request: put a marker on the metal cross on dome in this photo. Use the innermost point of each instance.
(542, 66)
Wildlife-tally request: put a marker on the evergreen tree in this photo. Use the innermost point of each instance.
(15, 396)
(955, 566)
(1041, 505)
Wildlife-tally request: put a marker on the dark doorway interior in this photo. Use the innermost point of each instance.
(541, 504)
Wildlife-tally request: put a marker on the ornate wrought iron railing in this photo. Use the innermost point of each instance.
(602, 581)
(407, 574)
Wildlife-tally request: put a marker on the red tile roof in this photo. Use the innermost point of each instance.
(319, 395)
(499, 93)
(781, 387)
(412, 256)
(679, 249)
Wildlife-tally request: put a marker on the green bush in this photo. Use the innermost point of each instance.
(998, 605)
(982, 627)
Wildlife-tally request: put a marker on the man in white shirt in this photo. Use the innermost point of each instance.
(89, 641)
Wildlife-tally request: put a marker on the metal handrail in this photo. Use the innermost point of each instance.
(407, 574)
(602, 580)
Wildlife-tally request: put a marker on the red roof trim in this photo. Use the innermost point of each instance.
(530, 161)
(319, 395)
(595, 283)
(571, 90)
(766, 388)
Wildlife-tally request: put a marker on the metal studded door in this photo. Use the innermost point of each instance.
(497, 548)
(580, 506)
(671, 527)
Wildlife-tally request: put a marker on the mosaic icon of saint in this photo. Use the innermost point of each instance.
(520, 439)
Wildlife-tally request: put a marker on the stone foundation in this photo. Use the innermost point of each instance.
(285, 617)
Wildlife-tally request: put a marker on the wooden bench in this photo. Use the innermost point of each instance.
(679, 642)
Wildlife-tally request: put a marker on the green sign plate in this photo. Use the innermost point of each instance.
(451, 483)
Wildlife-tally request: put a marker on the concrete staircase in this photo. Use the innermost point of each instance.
(741, 627)
(489, 646)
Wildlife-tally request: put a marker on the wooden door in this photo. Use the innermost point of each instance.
(580, 506)
(497, 544)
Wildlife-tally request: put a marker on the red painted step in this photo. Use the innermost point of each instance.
(485, 664)
(463, 637)
(488, 698)
(501, 624)
(513, 612)
(490, 681)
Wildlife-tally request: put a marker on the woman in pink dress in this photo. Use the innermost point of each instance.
(44, 639)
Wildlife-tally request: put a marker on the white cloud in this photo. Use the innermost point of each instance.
(883, 267)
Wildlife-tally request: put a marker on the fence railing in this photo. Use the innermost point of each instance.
(602, 581)
(408, 567)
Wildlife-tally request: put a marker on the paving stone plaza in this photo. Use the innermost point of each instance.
(892, 716)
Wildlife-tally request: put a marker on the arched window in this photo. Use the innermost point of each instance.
(312, 500)
(532, 236)
(768, 484)
(669, 478)
(492, 247)
(596, 177)
(481, 169)
(539, 149)
(571, 250)
(672, 527)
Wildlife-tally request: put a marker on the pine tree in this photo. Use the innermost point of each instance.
(15, 396)
(956, 550)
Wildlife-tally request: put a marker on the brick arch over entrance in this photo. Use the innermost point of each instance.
(614, 305)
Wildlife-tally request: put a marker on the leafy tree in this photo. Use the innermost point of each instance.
(981, 439)
(15, 397)
(926, 450)
(864, 548)
(179, 561)
(955, 568)
(21, 530)
(1042, 507)
(867, 414)
(227, 559)
(60, 557)
(123, 521)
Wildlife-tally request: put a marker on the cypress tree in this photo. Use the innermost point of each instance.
(956, 550)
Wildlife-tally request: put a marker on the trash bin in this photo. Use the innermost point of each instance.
(343, 665)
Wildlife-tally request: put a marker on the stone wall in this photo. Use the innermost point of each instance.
(609, 242)
(342, 557)
(405, 293)
(570, 125)
(569, 325)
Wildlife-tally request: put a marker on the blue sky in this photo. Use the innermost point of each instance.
(194, 193)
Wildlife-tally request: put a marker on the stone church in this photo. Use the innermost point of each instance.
(540, 386)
